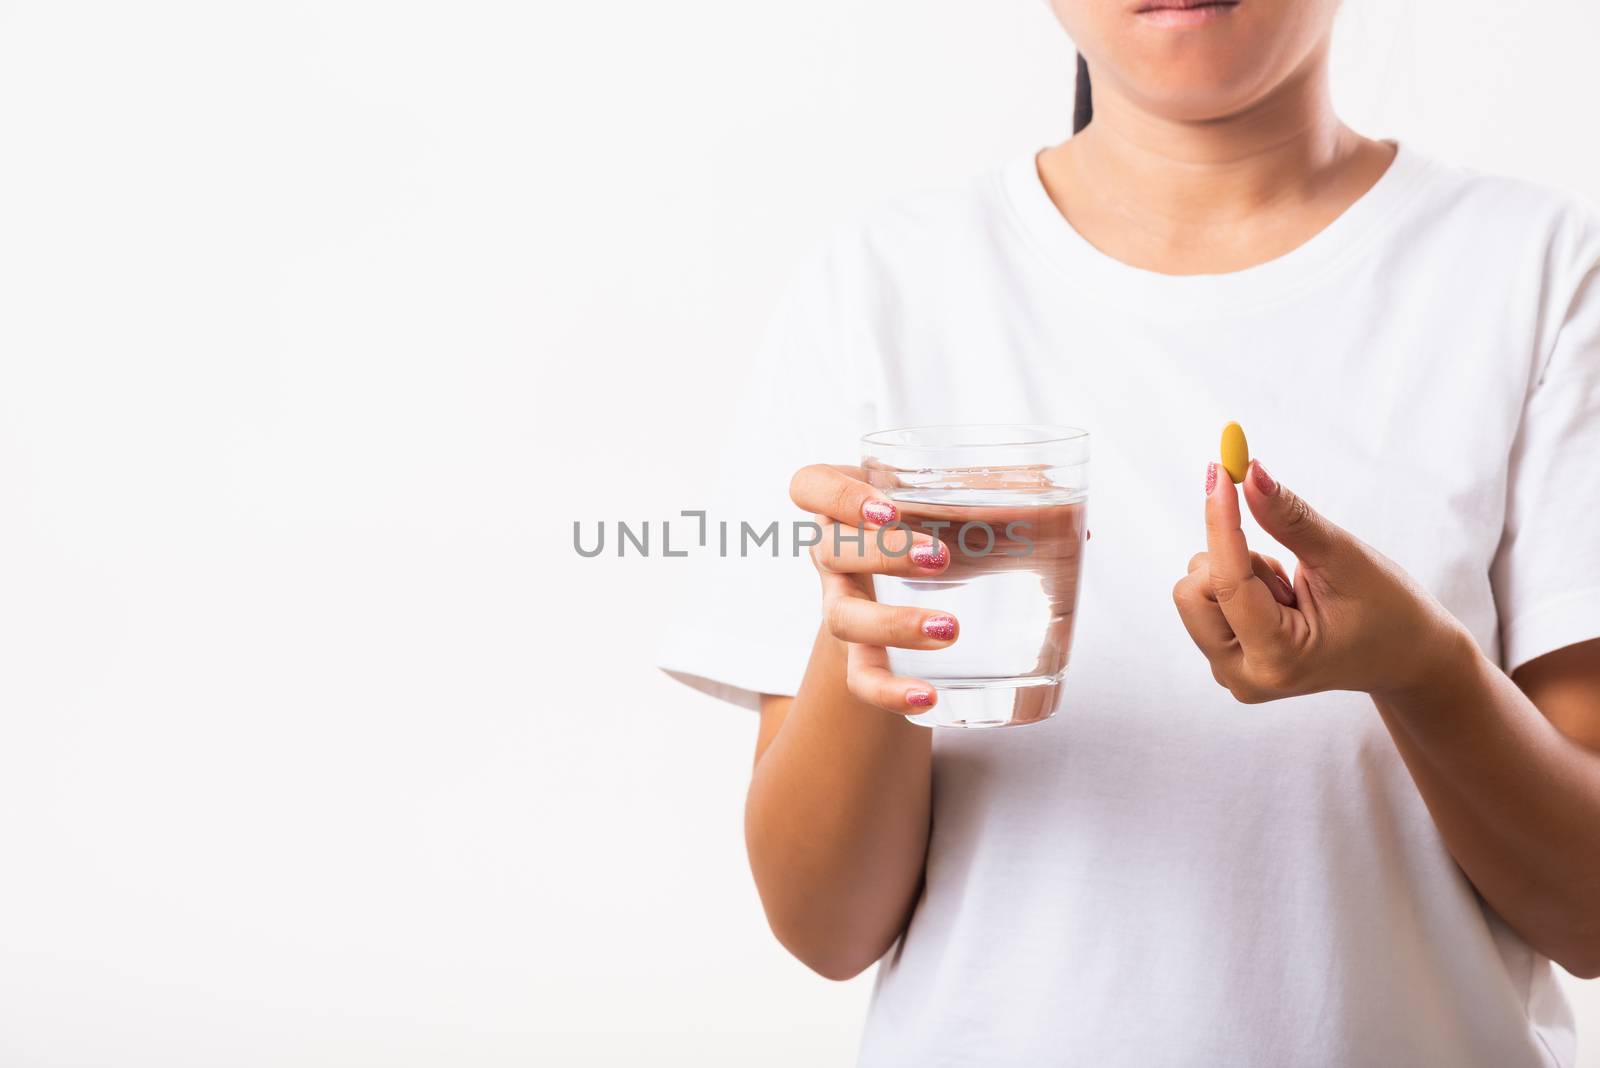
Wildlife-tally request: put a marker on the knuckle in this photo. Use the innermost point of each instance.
(892, 545)
(1187, 594)
(835, 613)
(885, 626)
(800, 480)
(882, 694)
(1241, 689)
(1298, 514)
(1273, 670)
(875, 560)
(843, 503)
(905, 623)
(860, 688)
(821, 557)
(1278, 673)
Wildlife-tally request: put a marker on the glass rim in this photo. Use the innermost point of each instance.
(1047, 434)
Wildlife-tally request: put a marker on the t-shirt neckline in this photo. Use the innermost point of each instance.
(1151, 292)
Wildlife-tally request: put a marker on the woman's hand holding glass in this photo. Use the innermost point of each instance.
(859, 537)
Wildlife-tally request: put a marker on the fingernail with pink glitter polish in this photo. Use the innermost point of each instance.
(1211, 478)
(930, 556)
(940, 628)
(919, 698)
(881, 513)
(1264, 482)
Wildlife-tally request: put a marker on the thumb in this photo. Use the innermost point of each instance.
(1290, 521)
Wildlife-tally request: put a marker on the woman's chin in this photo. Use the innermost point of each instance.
(1198, 98)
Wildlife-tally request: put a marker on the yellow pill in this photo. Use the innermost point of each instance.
(1235, 452)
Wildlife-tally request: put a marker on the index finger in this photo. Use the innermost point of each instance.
(840, 494)
(1246, 602)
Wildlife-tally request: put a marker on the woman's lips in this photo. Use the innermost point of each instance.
(1178, 14)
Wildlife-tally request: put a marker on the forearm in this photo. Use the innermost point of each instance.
(837, 821)
(1517, 802)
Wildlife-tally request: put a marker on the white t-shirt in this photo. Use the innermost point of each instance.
(1160, 875)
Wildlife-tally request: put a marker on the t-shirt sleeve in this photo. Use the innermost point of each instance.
(746, 611)
(1546, 574)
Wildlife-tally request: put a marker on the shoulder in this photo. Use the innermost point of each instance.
(1512, 220)
(918, 238)
(1542, 245)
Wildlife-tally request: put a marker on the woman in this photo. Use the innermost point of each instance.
(1360, 822)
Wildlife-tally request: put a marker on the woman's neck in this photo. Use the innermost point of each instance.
(1212, 196)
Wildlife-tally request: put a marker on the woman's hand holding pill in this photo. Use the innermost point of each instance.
(1350, 620)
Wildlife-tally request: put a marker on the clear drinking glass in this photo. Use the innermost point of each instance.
(1010, 503)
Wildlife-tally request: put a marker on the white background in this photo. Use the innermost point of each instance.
(320, 323)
